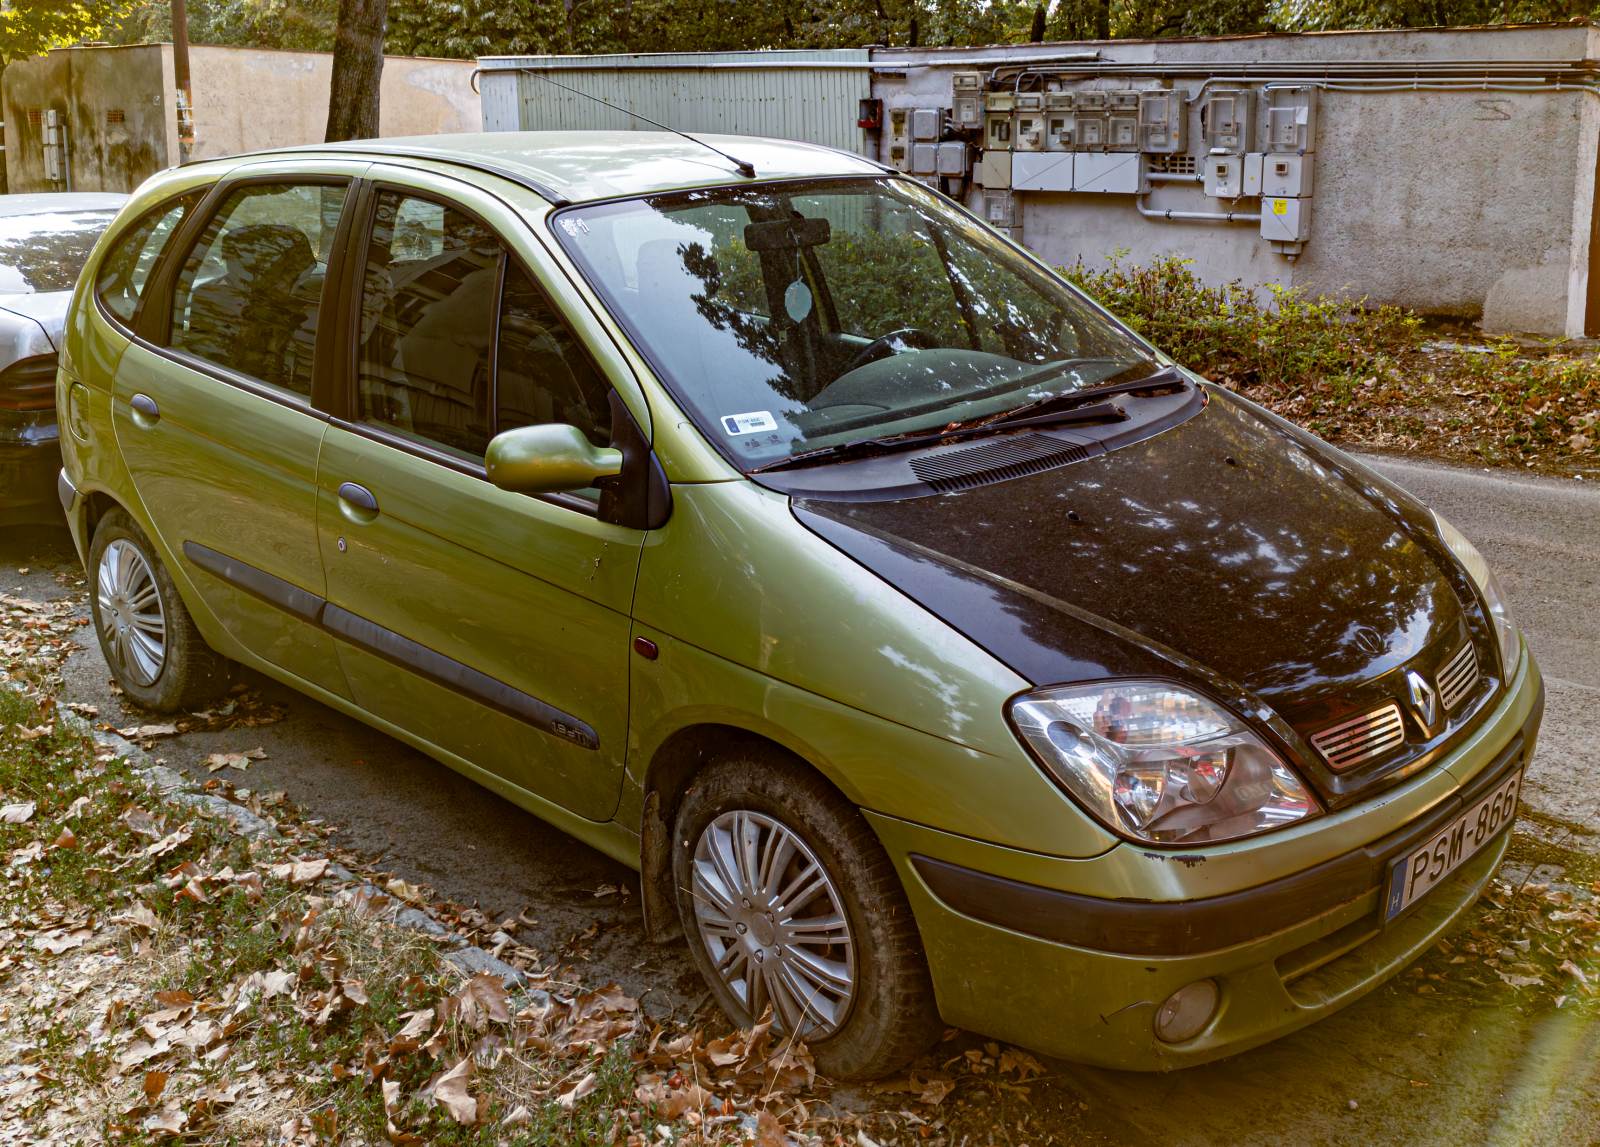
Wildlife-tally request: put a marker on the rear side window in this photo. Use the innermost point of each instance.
(458, 342)
(250, 293)
(126, 268)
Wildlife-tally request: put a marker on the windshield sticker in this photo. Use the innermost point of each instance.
(752, 423)
(797, 301)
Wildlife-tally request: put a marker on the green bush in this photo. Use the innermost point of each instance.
(1286, 339)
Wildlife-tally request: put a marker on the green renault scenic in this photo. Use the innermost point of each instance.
(937, 649)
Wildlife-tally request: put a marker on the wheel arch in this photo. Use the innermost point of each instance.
(673, 766)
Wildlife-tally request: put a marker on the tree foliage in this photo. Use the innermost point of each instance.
(33, 27)
(467, 28)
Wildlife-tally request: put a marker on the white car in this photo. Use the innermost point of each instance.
(44, 240)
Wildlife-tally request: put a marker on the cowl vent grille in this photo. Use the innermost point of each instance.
(998, 461)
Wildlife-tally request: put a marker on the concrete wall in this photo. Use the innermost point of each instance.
(1461, 203)
(244, 100)
(111, 98)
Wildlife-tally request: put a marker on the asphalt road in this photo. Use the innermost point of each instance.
(1395, 1067)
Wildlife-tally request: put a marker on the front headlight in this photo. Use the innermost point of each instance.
(1159, 763)
(1504, 631)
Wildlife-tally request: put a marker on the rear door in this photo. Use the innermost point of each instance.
(215, 414)
(494, 625)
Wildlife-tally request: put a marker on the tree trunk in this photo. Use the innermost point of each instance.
(357, 70)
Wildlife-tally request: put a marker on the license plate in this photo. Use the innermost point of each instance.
(1425, 866)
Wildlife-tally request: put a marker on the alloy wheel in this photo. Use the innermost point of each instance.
(774, 923)
(132, 624)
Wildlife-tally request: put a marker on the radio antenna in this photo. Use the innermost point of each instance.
(743, 167)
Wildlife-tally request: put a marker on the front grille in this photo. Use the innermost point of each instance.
(1361, 738)
(1458, 678)
(996, 461)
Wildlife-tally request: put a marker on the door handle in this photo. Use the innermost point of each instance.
(357, 502)
(145, 411)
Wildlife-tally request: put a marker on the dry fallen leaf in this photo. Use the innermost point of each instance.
(16, 813)
(568, 1099)
(451, 1093)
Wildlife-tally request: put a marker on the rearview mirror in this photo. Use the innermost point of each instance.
(787, 234)
(548, 459)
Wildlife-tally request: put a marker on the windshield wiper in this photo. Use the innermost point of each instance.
(1098, 412)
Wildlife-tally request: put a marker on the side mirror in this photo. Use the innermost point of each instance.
(548, 459)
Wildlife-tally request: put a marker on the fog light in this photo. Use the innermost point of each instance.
(1187, 1011)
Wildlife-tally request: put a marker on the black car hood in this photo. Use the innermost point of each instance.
(1231, 549)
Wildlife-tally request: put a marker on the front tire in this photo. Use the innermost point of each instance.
(150, 642)
(789, 902)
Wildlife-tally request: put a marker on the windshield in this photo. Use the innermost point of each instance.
(795, 316)
(45, 251)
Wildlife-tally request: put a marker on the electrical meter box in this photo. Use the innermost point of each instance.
(925, 124)
(966, 110)
(999, 209)
(1119, 173)
(997, 131)
(1162, 117)
(924, 158)
(1000, 101)
(1286, 175)
(1285, 220)
(1042, 171)
(1122, 133)
(1058, 101)
(1057, 132)
(952, 160)
(994, 170)
(1028, 134)
(900, 139)
(966, 81)
(1286, 119)
(1090, 124)
(1226, 119)
(1224, 176)
(1029, 102)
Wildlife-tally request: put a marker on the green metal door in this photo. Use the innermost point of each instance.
(218, 428)
(493, 625)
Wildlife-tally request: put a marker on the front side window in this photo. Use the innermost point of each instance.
(250, 293)
(126, 268)
(796, 316)
(458, 342)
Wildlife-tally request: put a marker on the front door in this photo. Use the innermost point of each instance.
(214, 413)
(493, 625)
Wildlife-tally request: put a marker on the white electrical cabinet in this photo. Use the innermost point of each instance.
(1042, 171)
(1286, 220)
(1120, 173)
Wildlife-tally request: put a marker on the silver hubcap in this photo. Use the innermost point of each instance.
(132, 626)
(773, 923)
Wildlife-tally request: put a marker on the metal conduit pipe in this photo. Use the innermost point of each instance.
(1174, 177)
(1259, 70)
(1142, 203)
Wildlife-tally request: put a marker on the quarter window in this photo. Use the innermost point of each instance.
(250, 292)
(458, 342)
(126, 269)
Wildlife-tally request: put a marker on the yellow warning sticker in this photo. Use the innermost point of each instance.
(1280, 207)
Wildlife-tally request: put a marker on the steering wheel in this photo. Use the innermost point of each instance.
(884, 345)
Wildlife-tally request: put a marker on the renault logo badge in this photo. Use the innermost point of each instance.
(1424, 701)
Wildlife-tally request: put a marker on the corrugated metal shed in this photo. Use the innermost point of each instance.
(803, 95)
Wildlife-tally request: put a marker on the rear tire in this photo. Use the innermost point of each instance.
(789, 901)
(149, 640)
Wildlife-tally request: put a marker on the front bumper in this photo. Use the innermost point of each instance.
(1074, 957)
